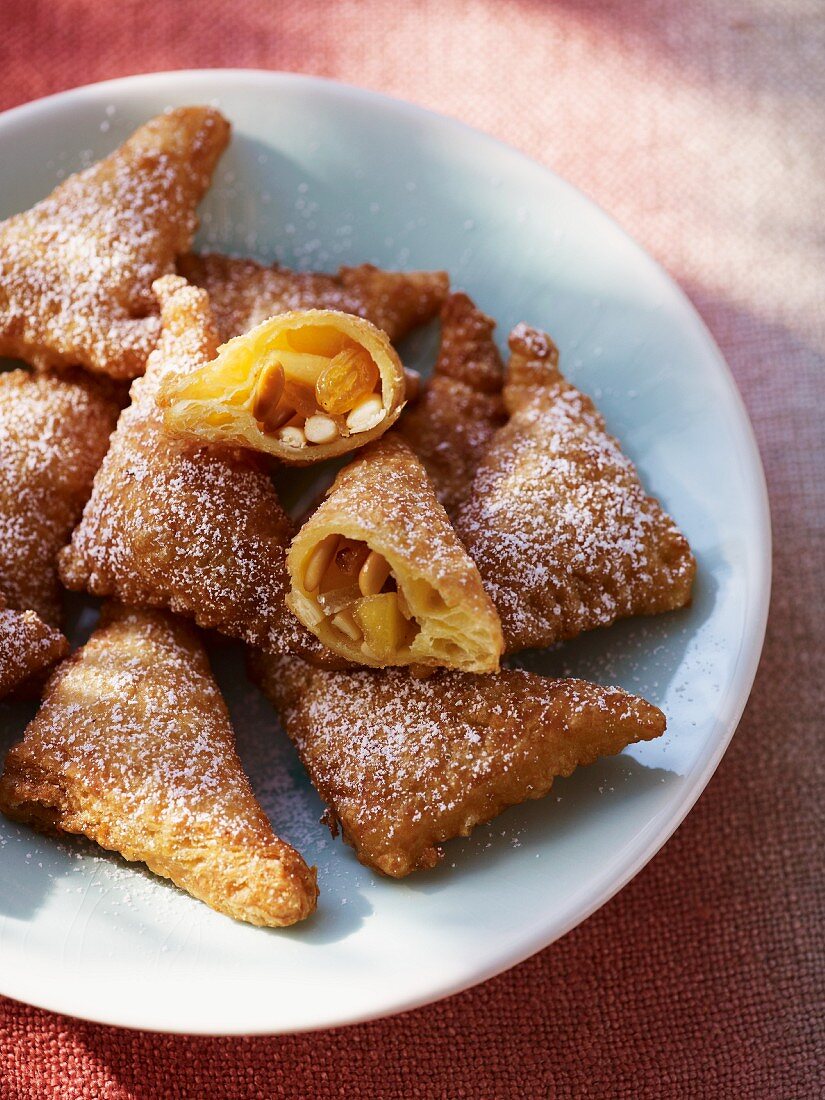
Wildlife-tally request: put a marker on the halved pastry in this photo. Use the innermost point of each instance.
(557, 521)
(405, 764)
(245, 293)
(301, 386)
(28, 647)
(54, 432)
(378, 573)
(133, 748)
(461, 407)
(199, 530)
(76, 270)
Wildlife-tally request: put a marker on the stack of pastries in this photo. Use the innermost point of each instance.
(480, 512)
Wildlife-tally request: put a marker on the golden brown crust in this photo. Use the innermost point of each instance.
(197, 530)
(216, 403)
(28, 647)
(383, 498)
(405, 764)
(54, 432)
(76, 270)
(133, 748)
(557, 520)
(244, 293)
(461, 407)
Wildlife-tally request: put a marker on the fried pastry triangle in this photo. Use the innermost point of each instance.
(378, 573)
(133, 748)
(405, 764)
(76, 270)
(28, 647)
(54, 432)
(245, 293)
(557, 521)
(461, 407)
(199, 530)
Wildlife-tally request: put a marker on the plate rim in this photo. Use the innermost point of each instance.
(655, 835)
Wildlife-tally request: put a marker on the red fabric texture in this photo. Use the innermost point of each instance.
(701, 128)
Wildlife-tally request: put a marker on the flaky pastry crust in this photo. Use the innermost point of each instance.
(28, 647)
(245, 293)
(382, 509)
(220, 402)
(405, 764)
(461, 407)
(133, 748)
(76, 270)
(199, 530)
(557, 521)
(54, 432)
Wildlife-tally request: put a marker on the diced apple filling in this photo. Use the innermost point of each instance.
(356, 590)
(314, 385)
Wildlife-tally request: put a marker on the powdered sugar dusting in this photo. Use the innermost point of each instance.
(450, 426)
(244, 293)
(27, 646)
(136, 714)
(133, 748)
(557, 521)
(76, 270)
(53, 436)
(199, 530)
(405, 763)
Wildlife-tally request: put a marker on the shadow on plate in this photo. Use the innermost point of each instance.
(543, 822)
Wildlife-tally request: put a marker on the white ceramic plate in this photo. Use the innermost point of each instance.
(318, 175)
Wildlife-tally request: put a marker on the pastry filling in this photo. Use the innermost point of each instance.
(311, 385)
(303, 386)
(355, 589)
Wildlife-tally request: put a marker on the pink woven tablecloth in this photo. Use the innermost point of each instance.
(701, 127)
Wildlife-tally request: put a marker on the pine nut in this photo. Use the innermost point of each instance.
(347, 625)
(320, 429)
(374, 573)
(319, 559)
(367, 414)
(292, 436)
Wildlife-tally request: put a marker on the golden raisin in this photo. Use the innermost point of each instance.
(350, 376)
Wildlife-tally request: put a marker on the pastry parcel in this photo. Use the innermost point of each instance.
(244, 293)
(199, 530)
(302, 386)
(378, 573)
(28, 647)
(133, 748)
(76, 270)
(460, 408)
(557, 521)
(405, 764)
(54, 432)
